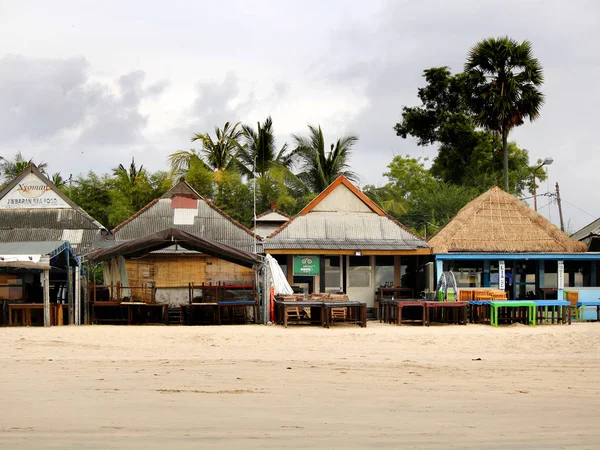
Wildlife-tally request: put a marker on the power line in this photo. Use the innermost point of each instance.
(576, 207)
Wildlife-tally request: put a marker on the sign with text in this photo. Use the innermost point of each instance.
(307, 265)
(501, 275)
(561, 275)
(32, 193)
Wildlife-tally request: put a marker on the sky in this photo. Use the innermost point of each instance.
(90, 85)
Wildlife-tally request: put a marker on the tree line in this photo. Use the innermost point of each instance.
(467, 116)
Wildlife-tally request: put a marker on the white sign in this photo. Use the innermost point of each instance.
(32, 193)
(561, 275)
(501, 275)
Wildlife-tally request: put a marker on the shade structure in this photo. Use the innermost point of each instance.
(497, 222)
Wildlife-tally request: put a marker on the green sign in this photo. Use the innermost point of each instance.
(307, 265)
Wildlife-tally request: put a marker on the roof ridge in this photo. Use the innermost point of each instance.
(32, 169)
(135, 215)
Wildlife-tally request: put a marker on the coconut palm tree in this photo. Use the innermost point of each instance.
(10, 169)
(217, 155)
(132, 176)
(259, 152)
(503, 80)
(318, 168)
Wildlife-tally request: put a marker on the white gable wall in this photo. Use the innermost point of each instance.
(32, 193)
(342, 199)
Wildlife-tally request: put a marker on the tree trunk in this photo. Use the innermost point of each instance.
(505, 156)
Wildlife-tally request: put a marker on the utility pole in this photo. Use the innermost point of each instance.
(562, 224)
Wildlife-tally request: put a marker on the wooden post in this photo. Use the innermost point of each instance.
(71, 306)
(77, 296)
(46, 280)
(562, 224)
(397, 271)
(86, 297)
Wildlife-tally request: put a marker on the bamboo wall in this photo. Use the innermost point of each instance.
(163, 270)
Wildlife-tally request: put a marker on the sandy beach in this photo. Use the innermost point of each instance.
(385, 386)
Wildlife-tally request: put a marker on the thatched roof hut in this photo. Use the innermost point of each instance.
(497, 222)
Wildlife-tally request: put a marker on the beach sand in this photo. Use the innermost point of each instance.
(158, 387)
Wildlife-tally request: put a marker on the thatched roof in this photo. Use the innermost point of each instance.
(497, 222)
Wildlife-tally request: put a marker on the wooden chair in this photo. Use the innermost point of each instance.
(573, 299)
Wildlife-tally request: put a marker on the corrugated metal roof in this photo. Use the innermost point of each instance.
(46, 234)
(347, 244)
(344, 231)
(49, 248)
(54, 219)
(208, 223)
(592, 229)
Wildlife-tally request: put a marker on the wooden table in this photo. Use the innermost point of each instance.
(457, 311)
(232, 304)
(581, 308)
(357, 312)
(125, 312)
(528, 306)
(285, 306)
(184, 320)
(24, 310)
(560, 310)
(397, 309)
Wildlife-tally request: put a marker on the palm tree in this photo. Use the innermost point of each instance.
(259, 152)
(216, 155)
(10, 169)
(503, 79)
(318, 168)
(132, 176)
(58, 180)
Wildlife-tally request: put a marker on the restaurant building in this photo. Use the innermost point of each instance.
(167, 272)
(343, 242)
(43, 236)
(497, 241)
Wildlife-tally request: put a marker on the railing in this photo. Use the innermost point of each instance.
(120, 293)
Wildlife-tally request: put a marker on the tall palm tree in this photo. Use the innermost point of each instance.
(503, 80)
(318, 168)
(10, 169)
(259, 152)
(132, 176)
(218, 155)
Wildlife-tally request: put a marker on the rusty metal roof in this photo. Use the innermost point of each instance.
(205, 221)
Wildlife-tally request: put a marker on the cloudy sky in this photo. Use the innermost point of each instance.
(88, 85)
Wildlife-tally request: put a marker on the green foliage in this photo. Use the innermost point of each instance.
(259, 152)
(201, 178)
(220, 154)
(318, 168)
(92, 193)
(502, 88)
(12, 168)
(235, 198)
(467, 156)
(416, 198)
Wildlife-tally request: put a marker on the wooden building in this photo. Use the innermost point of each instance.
(169, 271)
(497, 241)
(33, 211)
(342, 241)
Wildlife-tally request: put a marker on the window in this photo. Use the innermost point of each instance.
(384, 271)
(359, 274)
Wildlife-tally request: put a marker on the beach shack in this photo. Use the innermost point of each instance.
(343, 242)
(164, 275)
(34, 283)
(33, 211)
(497, 241)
